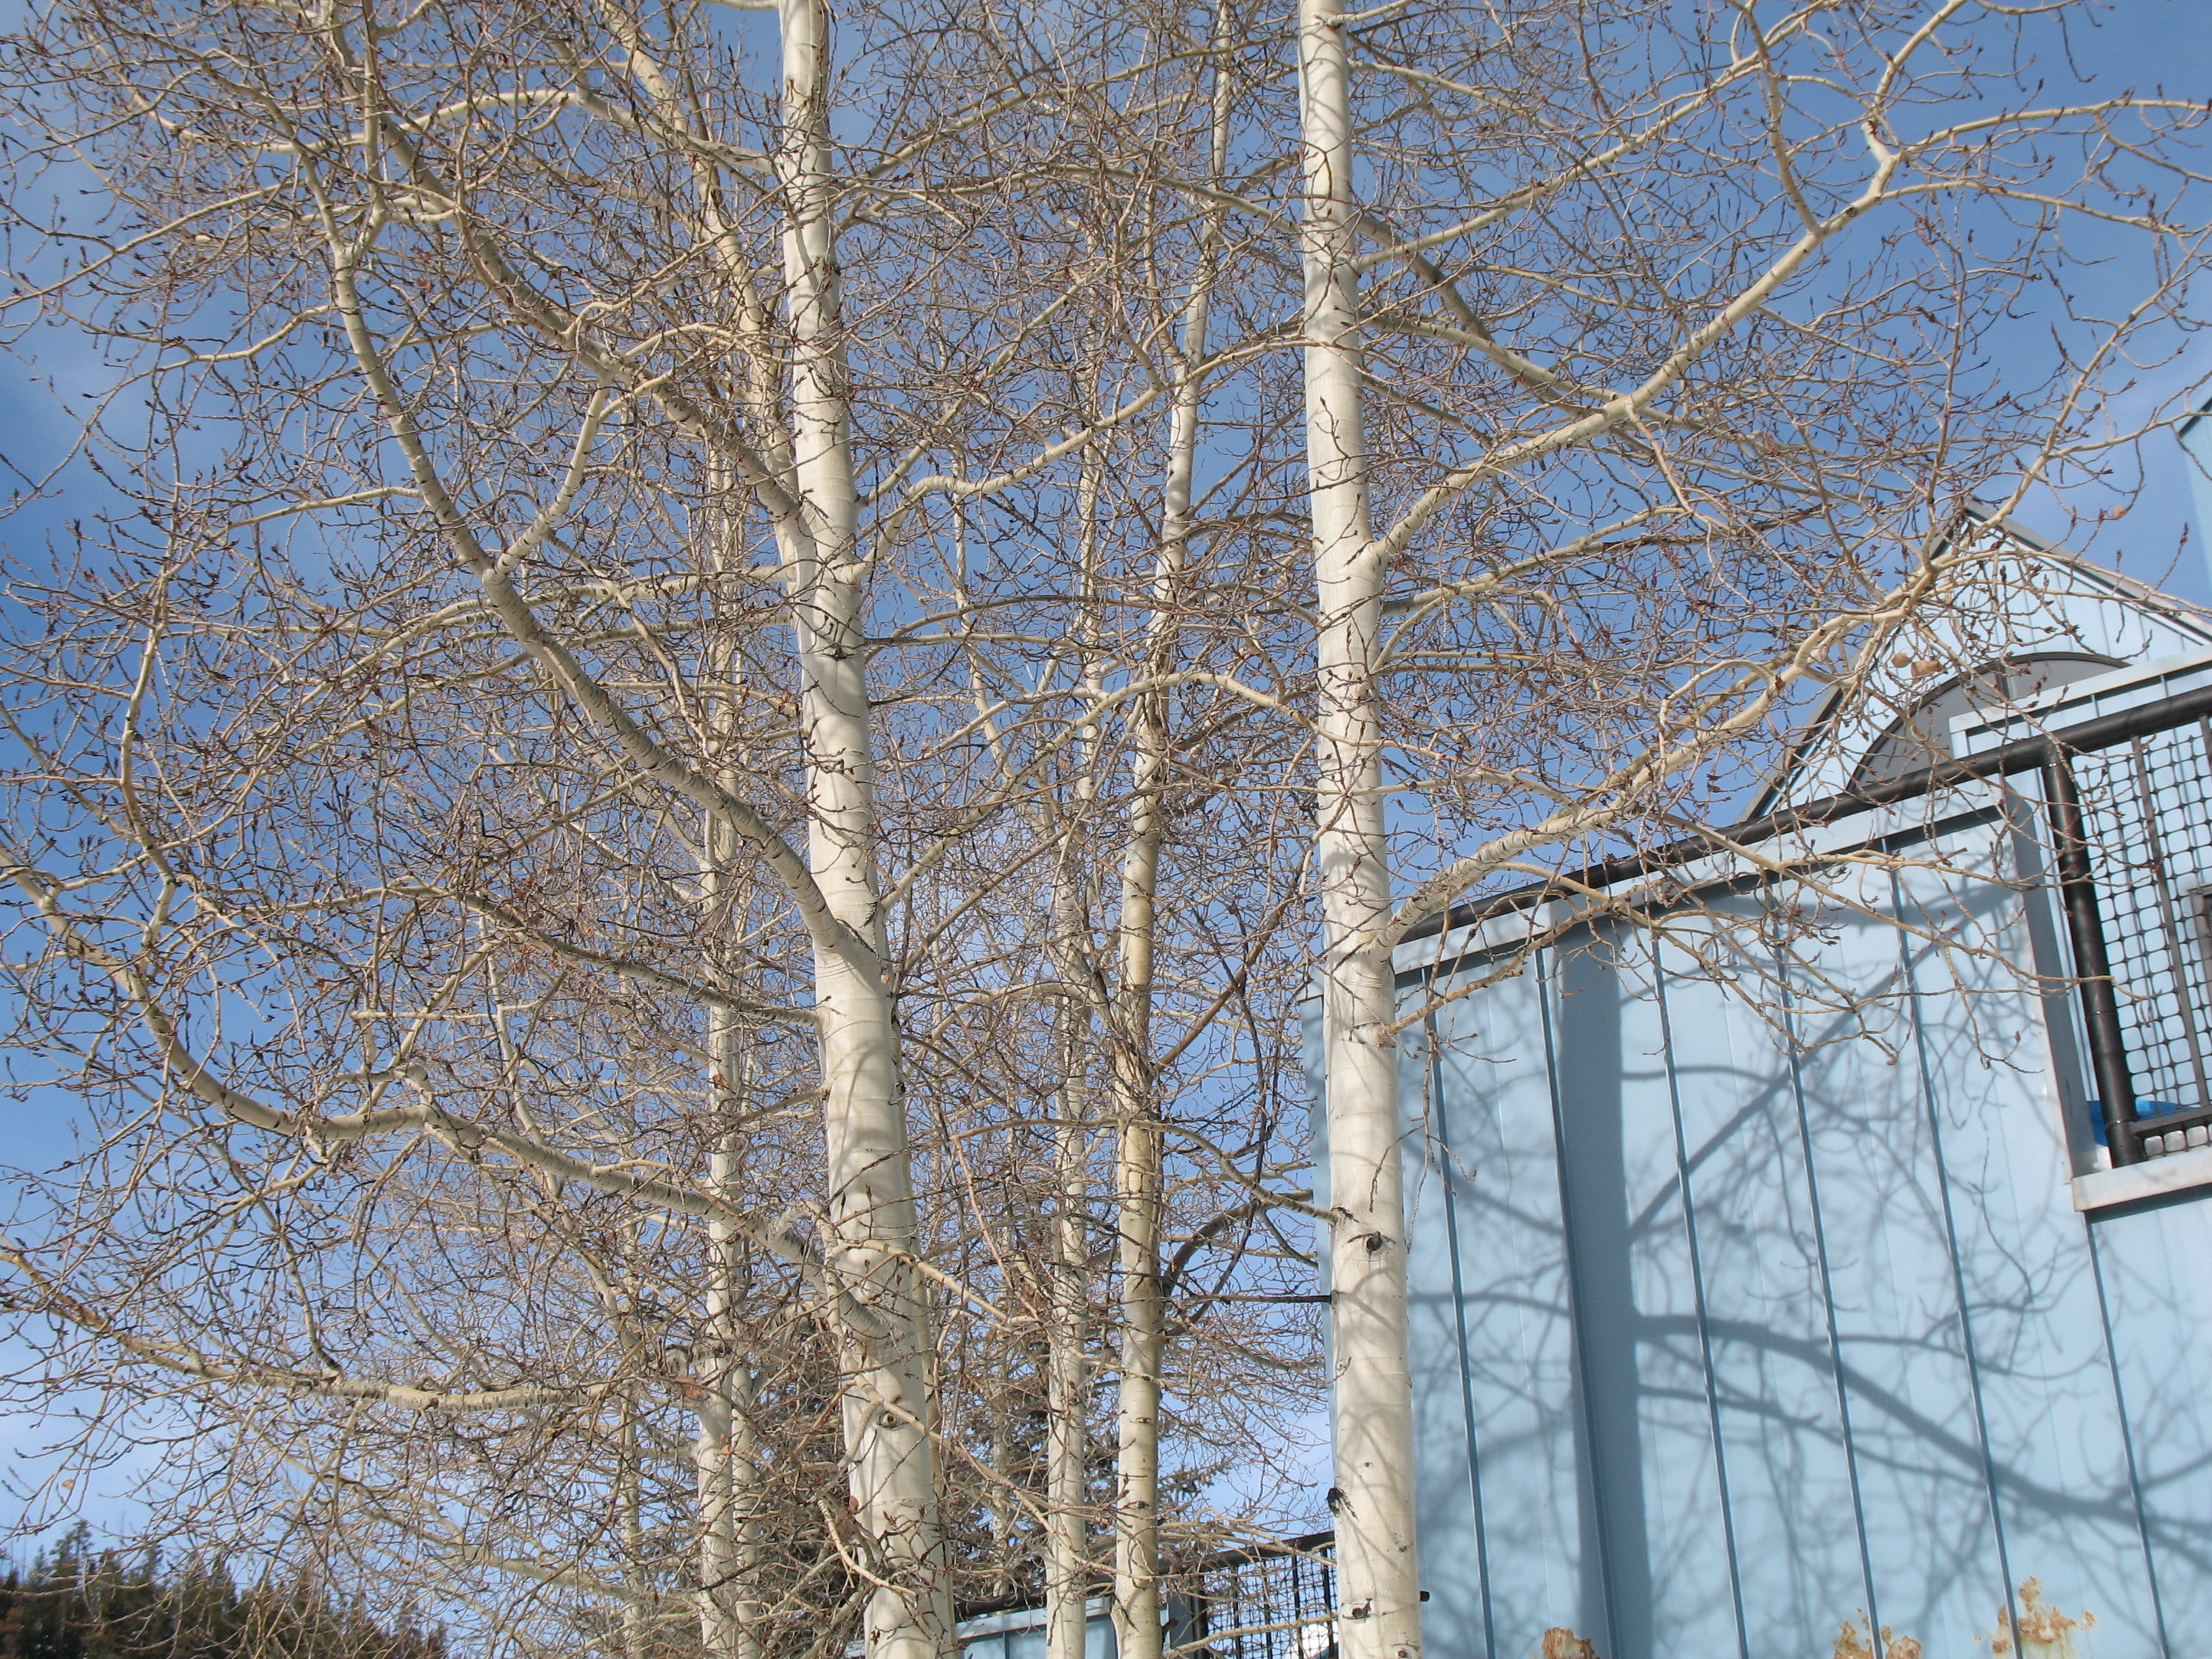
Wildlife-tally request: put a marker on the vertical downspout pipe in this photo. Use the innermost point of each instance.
(2101, 1007)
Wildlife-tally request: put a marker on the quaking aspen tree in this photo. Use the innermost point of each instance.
(1640, 395)
(684, 722)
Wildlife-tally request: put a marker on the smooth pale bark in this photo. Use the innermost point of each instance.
(887, 1409)
(1067, 1565)
(721, 1632)
(633, 1538)
(1068, 1383)
(1138, 1174)
(1138, 1208)
(999, 1368)
(723, 1452)
(723, 1472)
(1370, 1394)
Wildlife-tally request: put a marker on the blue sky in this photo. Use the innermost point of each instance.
(2147, 46)
(2143, 45)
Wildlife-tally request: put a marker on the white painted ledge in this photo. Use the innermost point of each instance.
(2176, 1172)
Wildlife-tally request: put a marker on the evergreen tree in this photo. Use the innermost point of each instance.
(83, 1602)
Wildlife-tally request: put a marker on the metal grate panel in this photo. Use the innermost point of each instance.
(2146, 807)
(1274, 1601)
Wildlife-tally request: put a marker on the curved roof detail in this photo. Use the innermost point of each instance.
(2055, 620)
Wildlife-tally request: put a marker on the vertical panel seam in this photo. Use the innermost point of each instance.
(1459, 1326)
(1584, 1404)
(1697, 1285)
(1951, 1241)
(1828, 1297)
(2128, 1440)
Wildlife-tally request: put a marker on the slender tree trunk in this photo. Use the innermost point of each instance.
(719, 1632)
(1372, 1392)
(999, 1367)
(722, 1451)
(633, 1537)
(1068, 1383)
(746, 1528)
(725, 1448)
(887, 1410)
(1138, 1173)
(1137, 1176)
(1067, 1379)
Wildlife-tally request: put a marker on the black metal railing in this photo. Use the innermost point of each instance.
(1274, 1600)
(2131, 824)
(1269, 1601)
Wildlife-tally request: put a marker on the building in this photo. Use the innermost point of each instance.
(1776, 1293)
(1771, 1296)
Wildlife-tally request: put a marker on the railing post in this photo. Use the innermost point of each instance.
(2092, 969)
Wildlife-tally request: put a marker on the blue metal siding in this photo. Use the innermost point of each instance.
(1022, 1636)
(1722, 1340)
(1772, 1379)
(1935, 1571)
(1655, 1483)
(2053, 1437)
(1516, 1368)
(2156, 1268)
(1459, 1607)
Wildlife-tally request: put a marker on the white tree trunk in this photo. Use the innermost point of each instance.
(634, 1580)
(1068, 1403)
(1137, 1195)
(887, 1409)
(1138, 1162)
(721, 1633)
(1372, 1394)
(1067, 1381)
(1138, 1152)
(1067, 1400)
(723, 1450)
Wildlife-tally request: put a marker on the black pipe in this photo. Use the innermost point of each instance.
(2093, 969)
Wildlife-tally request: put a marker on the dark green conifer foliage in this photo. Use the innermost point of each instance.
(81, 1602)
